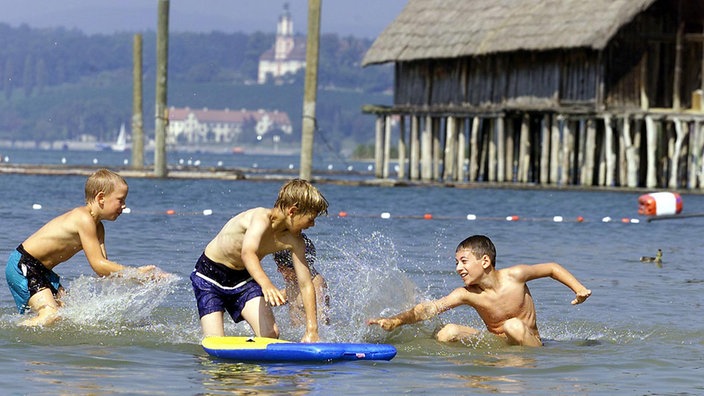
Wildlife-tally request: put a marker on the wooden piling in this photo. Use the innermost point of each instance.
(545, 149)
(402, 163)
(450, 149)
(474, 149)
(524, 149)
(161, 109)
(310, 89)
(461, 149)
(379, 148)
(387, 147)
(137, 105)
(426, 154)
(415, 148)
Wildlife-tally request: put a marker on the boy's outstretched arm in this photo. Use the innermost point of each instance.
(422, 311)
(560, 274)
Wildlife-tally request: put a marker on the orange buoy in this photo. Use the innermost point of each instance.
(659, 203)
(170, 212)
(428, 216)
(342, 214)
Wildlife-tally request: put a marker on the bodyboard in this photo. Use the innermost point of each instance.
(262, 349)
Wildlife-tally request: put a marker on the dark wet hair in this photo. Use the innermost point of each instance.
(284, 258)
(479, 245)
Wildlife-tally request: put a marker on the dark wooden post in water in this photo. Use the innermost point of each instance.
(161, 109)
(402, 147)
(379, 148)
(387, 146)
(415, 148)
(310, 89)
(137, 112)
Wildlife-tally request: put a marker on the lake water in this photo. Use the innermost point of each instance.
(641, 332)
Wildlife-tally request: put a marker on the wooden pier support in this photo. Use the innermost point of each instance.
(650, 149)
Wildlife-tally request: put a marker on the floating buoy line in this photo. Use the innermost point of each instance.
(390, 216)
(654, 206)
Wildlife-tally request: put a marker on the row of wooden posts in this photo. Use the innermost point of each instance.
(648, 149)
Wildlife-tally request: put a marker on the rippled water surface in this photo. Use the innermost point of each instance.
(641, 332)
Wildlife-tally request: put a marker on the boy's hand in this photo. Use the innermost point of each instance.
(273, 296)
(310, 337)
(384, 323)
(283, 293)
(153, 272)
(581, 296)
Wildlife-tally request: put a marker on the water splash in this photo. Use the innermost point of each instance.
(364, 282)
(127, 298)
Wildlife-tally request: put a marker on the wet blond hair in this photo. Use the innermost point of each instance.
(304, 196)
(102, 180)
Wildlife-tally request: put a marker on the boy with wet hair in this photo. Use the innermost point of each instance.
(229, 276)
(500, 297)
(29, 271)
(291, 291)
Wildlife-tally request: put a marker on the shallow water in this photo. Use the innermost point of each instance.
(641, 332)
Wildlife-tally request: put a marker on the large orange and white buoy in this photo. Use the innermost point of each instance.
(659, 203)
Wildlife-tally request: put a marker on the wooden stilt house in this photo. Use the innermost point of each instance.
(555, 92)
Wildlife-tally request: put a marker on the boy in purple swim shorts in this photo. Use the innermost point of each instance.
(229, 276)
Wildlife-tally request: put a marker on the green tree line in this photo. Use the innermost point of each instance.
(61, 84)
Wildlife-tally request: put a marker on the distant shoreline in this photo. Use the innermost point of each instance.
(61, 145)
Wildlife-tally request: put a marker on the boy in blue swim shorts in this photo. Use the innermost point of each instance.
(229, 276)
(29, 271)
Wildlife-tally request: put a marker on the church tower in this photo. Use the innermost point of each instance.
(284, 35)
(287, 55)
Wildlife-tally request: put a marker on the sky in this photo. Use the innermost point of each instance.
(358, 18)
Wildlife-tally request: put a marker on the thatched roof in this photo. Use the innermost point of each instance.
(455, 28)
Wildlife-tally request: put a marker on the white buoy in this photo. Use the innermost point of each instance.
(95, 160)
(329, 166)
(219, 163)
(290, 166)
(125, 161)
(63, 160)
(127, 210)
(207, 212)
(471, 217)
(36, 207)
(557, 219)
(606, 219)
(386, 215)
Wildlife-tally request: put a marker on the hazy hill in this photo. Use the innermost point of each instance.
(60, 84)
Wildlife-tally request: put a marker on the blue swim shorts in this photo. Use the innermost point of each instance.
(23, 269)
(212, 296)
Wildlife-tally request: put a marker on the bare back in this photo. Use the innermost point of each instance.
(259, 229)
(64, 236)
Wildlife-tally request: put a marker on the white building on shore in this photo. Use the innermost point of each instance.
(287, 56)
(208, 126)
